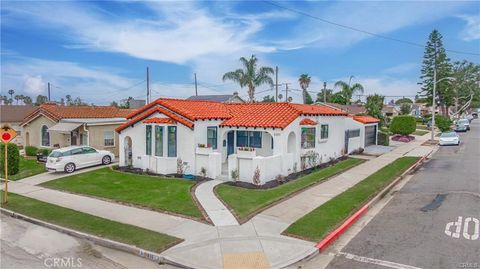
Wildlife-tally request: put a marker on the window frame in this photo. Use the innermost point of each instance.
(249, 135)
(312, 143)
(322, 131)
(352, 133)
(42, 138)
(215, 143)
(148, 140)
(104, 139)
(168, 141)
(159, 152)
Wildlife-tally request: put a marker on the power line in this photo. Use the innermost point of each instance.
(361, 30)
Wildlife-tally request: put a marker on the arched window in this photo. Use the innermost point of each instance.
(45, 136)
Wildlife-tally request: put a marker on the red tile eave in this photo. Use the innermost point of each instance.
(366, 119)
(308, 122)
(160, 120)
(150, 112)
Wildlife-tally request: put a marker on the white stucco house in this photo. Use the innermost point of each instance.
(218, 138)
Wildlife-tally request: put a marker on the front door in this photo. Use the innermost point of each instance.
(231, 142)
(73, 138)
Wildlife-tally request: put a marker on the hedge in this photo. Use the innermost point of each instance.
(443, 123)
(403, 125)
(44, 152)
(13, 159)
(31, 151)
(383, 138)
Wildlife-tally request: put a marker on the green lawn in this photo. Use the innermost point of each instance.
(422, 127)
(316, 224)
(420, 132)
(165, 194)
(27, 168)
(129, 234)
(247, 201)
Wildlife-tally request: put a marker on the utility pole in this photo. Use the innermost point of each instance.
(434, 90)
(276, 83)
(286, 92)
(324, 92)
(48, 86)
(148, 85)
(196, 91)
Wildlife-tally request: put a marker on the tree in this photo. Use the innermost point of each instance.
(443, 123)
(18, 97)
(348, 90)
(405, 109)
(11, 92)
(268, 99)
(320, 95)
(304, 82)
(68, 99)
(404, 100)
(114, 104)
(435, 57)
(374, 106)
(466, 89)
(41, 99)
(27, 100)
(78, 102)
(403, 125)
(250, 76)
(338, 98)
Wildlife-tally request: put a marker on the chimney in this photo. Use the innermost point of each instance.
(235, 94)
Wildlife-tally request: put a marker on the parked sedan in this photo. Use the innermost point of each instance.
(464, 122)
(449, 138)
(71, 158)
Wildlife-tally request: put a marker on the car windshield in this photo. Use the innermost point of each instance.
(451, 134)
(55, 154)
(463, 121)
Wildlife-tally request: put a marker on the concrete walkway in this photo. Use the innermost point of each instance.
(216, 210)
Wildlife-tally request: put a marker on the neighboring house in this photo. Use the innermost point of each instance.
(361, 132)
(170, 135)
(222, 98)
(352, 109)
(390, 111)
(420, 110)
(52, 125)
(13, 115)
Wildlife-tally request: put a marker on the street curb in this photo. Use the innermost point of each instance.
(146, 254)
(331, 237)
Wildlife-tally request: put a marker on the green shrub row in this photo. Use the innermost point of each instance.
(443, 123)
(13, 159)
(383, 138)
(31, 151)
(403, 125)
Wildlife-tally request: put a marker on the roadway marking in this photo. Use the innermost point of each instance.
(376, 261)
(458, 227)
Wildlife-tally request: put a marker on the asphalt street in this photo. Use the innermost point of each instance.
(432, 222)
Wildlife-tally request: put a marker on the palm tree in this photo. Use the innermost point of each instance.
(27, 100)
(304, 82)
(249, 76)
(11, 92)
(18, 97)
(347, 90)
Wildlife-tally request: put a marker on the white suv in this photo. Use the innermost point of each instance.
(71, 158)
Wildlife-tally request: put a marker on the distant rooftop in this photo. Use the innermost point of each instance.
(222, 98)
(15, 113)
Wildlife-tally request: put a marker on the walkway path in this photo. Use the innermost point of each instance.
(216, 210)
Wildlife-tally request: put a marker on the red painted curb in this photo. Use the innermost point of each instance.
(322, 245)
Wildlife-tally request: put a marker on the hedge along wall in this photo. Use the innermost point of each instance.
(403, 125)
(13, 159)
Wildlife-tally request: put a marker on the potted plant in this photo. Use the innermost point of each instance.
(246, 152)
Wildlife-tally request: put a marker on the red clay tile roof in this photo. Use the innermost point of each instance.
(264, 115)
(261, 115)
(366, 119)
(58, 112)
(160, 120)
(308, 122)
(318, 110)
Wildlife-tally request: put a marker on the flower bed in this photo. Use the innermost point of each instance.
(403, 138)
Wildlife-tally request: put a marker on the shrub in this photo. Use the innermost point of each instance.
(383, 138)
(203, 172)
(256, 176)
(44, 151)
(13, 158)
(235, 174)
(443, 123)
(403, 125)
(280, 179)
(31, 151)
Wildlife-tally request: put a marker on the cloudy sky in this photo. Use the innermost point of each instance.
(99, 50)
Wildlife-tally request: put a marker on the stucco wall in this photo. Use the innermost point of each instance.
(34, 130)
(96, 137)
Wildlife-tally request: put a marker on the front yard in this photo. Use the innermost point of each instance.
(68, 218)
(420, 132)
(245, 202)
(317, 224)
(27, 168)
(163, 194)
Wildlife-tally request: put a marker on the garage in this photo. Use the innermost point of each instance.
(370, 135)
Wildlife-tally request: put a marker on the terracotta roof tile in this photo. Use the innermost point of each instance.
(366, 119)
(318, 110)
(263, 115)
(160, 120)
(147, 113)
(308, 122)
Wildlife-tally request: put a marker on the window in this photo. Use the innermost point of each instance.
(212, 137)
(159, 141)
(353, 133)
(172, 141)
(148, 140)
(324, 131)
(89, 150)
(45, 136)
(251, 139)
(76, 151)
(308, 137)
(83, 139)
(108, 139)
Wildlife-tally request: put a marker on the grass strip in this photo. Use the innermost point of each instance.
(27, 168)
(420, 132)
(318, 223)
(164, 194)
(247, 201)
(124, 233)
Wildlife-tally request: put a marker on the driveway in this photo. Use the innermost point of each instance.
(418, 228)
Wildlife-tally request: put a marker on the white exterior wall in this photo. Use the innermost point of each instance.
(355, 143)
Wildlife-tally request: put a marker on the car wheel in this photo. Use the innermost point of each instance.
(69, 168)
(106, 160)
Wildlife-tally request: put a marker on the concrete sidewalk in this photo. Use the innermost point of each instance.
(216, 210)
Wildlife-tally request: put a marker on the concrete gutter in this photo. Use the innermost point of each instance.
(149, 255)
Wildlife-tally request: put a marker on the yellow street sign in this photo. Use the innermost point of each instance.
(7, 134)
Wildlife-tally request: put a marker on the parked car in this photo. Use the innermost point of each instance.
(72, 158)
(449, 138)
(464, 122)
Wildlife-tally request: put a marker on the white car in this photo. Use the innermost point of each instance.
(71, 158)
(449, 138)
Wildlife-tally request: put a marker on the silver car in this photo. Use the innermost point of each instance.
(449, 138)
(71, 158)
